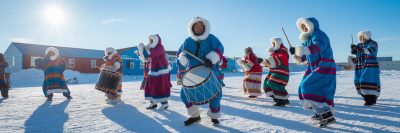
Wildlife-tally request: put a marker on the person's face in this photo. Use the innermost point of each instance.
(304, 28)
(273, 44)
(361, 38)
(198, 28)
(150, 40)
(51, 53)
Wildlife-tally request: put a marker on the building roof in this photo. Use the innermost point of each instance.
(171, 52)
(36, 49)
(122, 50)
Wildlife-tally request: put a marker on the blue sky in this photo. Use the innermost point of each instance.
(96, 24)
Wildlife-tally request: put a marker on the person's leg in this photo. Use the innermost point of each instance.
(215, 107)
(192, 110)
(164, 104)
(152, 105)
(214, 110)
(49, 97)
(4, 92)
(67, 94)
(324, 114)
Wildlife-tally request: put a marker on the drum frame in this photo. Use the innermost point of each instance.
(211, 75)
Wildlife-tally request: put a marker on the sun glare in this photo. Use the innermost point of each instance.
(55, 16)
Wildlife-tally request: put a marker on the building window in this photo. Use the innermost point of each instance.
(13, 61)
(131, 65)
(33, 59)
(92, 63)
(71, 63)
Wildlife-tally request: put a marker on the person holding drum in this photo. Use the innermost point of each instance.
(53, 67)
(157, 86)
(252, 73)
(112, 81)
(201, 83)
(278, 75)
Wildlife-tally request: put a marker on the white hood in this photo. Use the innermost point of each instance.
(206, 29)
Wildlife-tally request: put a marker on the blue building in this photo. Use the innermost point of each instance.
(131, 64)
(232, 66)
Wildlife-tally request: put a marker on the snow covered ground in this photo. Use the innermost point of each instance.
(27, 111)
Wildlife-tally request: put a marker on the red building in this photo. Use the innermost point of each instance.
(22, 56)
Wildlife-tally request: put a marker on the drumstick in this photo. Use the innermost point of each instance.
(197, 58)
(286, 37)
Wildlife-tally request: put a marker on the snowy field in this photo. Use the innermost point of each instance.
(27, 110)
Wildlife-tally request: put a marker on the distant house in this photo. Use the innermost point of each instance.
(131, 65)
(172, 58)
(22, 56)
(231, 66)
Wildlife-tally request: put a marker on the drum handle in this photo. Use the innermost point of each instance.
(197, 58)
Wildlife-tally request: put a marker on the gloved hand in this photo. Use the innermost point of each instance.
(353, 47)
(208, 63)
(356, 48)
(353, 51)
(292, 50)
(259, 60)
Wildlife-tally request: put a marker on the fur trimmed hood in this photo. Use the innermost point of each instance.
(312, 25)
(55, 51)
(278, 43)
(156, 40)
(366, 34)
(207, 28)
(110, 50)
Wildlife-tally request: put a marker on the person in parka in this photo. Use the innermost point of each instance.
(366, 68)
(53, 67)
(318, 86)
(208, 48)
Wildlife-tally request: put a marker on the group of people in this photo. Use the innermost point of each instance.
(278, 75)
(316, 90)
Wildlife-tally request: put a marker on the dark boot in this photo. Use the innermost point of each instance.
(326, 119)
(286, 101)
(275, 99)
(192, 120)
(49, 97)
(4, 93)
(370, 100)
(252, 96)
(280, 103)
(215, 122)
(316, 117)
(68, 97)
(152, 106)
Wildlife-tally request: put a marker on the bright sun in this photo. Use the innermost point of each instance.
(55, 16)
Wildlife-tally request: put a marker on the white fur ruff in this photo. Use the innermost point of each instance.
(207, 29)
